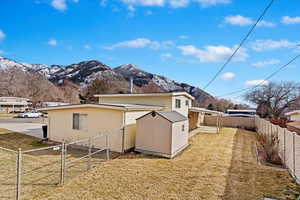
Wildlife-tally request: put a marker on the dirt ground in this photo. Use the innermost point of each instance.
(214, 166)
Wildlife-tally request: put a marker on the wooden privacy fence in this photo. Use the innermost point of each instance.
(289, 145)
(234, 122)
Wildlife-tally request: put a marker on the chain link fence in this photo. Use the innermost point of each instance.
(28, 173)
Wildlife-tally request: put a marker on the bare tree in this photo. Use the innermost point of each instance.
(273, 99)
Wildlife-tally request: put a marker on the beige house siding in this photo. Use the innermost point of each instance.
(144, 100)
(98, 121)
(295, 117)
(184, 109)
(154, 134)
(130, 127)
(179, 136)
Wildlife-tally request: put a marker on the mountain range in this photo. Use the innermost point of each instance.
(85, 72)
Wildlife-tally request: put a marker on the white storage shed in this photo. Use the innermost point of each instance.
(162, 133)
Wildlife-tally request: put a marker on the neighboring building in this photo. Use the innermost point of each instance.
(162, 133)
(293, 115)
(115, 114)
(13, 104)
(241, 113)
(51, 104)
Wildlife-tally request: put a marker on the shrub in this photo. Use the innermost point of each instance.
(270, 146)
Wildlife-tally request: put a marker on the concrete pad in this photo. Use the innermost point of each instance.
(31, 129)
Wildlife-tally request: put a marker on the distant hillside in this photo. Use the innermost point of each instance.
(83, 73)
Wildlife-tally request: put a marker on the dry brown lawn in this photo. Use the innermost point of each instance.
(40, 170)
(215, 166)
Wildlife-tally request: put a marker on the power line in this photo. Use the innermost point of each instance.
(264, 80)
(240, 45)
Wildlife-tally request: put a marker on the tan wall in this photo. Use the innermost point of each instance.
(289, 145)
(234, 122)
(147, 100)
(295, 117)
(154, 134)
(184, 109)
(98, 121)
(167, 101)
(179, 137)
(130, 127)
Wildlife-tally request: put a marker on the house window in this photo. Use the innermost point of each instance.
(187, 103)
(79, 121)
(182, 128)
(177, 103)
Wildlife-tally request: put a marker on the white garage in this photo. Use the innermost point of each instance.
(162, 133)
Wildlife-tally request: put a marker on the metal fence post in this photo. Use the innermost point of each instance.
(107, 147)
(89, 155)
(62, 167)
(19, 170)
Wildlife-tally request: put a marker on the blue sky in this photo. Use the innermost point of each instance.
(185, 40)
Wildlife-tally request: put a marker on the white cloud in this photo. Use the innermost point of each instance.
(59, 4)
(143, 43)
(87, 46)
(264, 23)
(52, 42)
(228, 76)
(145, 2)
(175, 3)
(266, 63)
(206, 3)
(290, 20)
(183, 37)
(246, 21)
(2, 35)
(178, 3)
(256, 82)
(238, 20)
(166, 55)
(261, 45)
(213, 53)
(148, 13)
(131, 8)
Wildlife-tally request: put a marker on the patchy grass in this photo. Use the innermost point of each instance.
(215, 166)
(40, 170)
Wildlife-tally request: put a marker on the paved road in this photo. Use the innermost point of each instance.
(23, 120)
(26, 128)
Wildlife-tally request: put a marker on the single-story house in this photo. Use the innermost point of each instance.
(13, 104)
(162, 133)
(76, 122)
(115, 114)
(293, 115)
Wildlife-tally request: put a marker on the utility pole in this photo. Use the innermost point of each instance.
(131, 85)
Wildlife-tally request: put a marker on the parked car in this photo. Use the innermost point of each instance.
(30, 114)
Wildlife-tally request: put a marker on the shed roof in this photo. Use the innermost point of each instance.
(171, 116)
(125, 107)
(198, 109)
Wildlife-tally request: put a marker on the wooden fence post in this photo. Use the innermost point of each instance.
(284, 159)
(19, 174)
